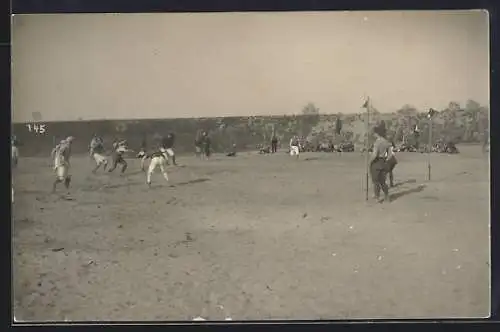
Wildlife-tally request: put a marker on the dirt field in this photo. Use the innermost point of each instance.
(253, 237)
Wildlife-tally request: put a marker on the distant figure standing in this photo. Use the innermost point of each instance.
(206, 144)
(274, 144)
(294, 146)
(486, 141)
(96, 150)
(232, 151)
(62, 154)
(378, 166)
(416, 134)
(198, 143)
(167, 147)
(14, 152)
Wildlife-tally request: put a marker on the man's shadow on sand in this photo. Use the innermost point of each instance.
(400, 194)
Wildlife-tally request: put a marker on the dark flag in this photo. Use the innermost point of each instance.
(431, 113)
(365, 105)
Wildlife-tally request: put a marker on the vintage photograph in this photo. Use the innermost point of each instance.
(250, 166)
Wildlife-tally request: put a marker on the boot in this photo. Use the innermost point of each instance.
(67, 182)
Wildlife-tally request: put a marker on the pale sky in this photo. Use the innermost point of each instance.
(167, 65)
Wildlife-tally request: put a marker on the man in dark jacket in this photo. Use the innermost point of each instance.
(274, 144)
(378, 163)
(167, 147)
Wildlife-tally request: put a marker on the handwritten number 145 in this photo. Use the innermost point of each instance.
(37, 128)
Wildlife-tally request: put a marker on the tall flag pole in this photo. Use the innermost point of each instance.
(430, 115)
(367, 144)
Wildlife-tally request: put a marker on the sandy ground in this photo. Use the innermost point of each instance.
(253, 237)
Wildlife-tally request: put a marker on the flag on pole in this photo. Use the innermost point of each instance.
(367, 147)
(431, 113)
(366, 104)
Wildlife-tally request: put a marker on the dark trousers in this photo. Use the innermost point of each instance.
(274, 147)
(117, 159)
(391, 164)
(378, 170)
(206, 150)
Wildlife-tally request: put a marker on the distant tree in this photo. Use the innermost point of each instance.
(310, 109)
(472, 106)
(454, 106)
(407, 110)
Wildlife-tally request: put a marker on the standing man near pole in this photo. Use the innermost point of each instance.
(430, 115)
(367, 144)
(378, 163)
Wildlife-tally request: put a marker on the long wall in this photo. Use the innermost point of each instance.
(245, 132)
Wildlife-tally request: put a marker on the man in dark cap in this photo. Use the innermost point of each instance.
(378, 163)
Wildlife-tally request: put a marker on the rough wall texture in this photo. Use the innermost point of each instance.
(246, 132)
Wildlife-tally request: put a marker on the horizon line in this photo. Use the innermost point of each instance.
(210, 117)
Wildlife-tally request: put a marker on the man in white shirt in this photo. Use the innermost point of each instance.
(158, 159)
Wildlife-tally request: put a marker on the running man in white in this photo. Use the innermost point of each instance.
(294, 146)
(62, 154)
(157, 160)
(96, 149)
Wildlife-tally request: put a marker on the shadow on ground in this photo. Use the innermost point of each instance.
(404, 182)
(408, 192)
(191, 182)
